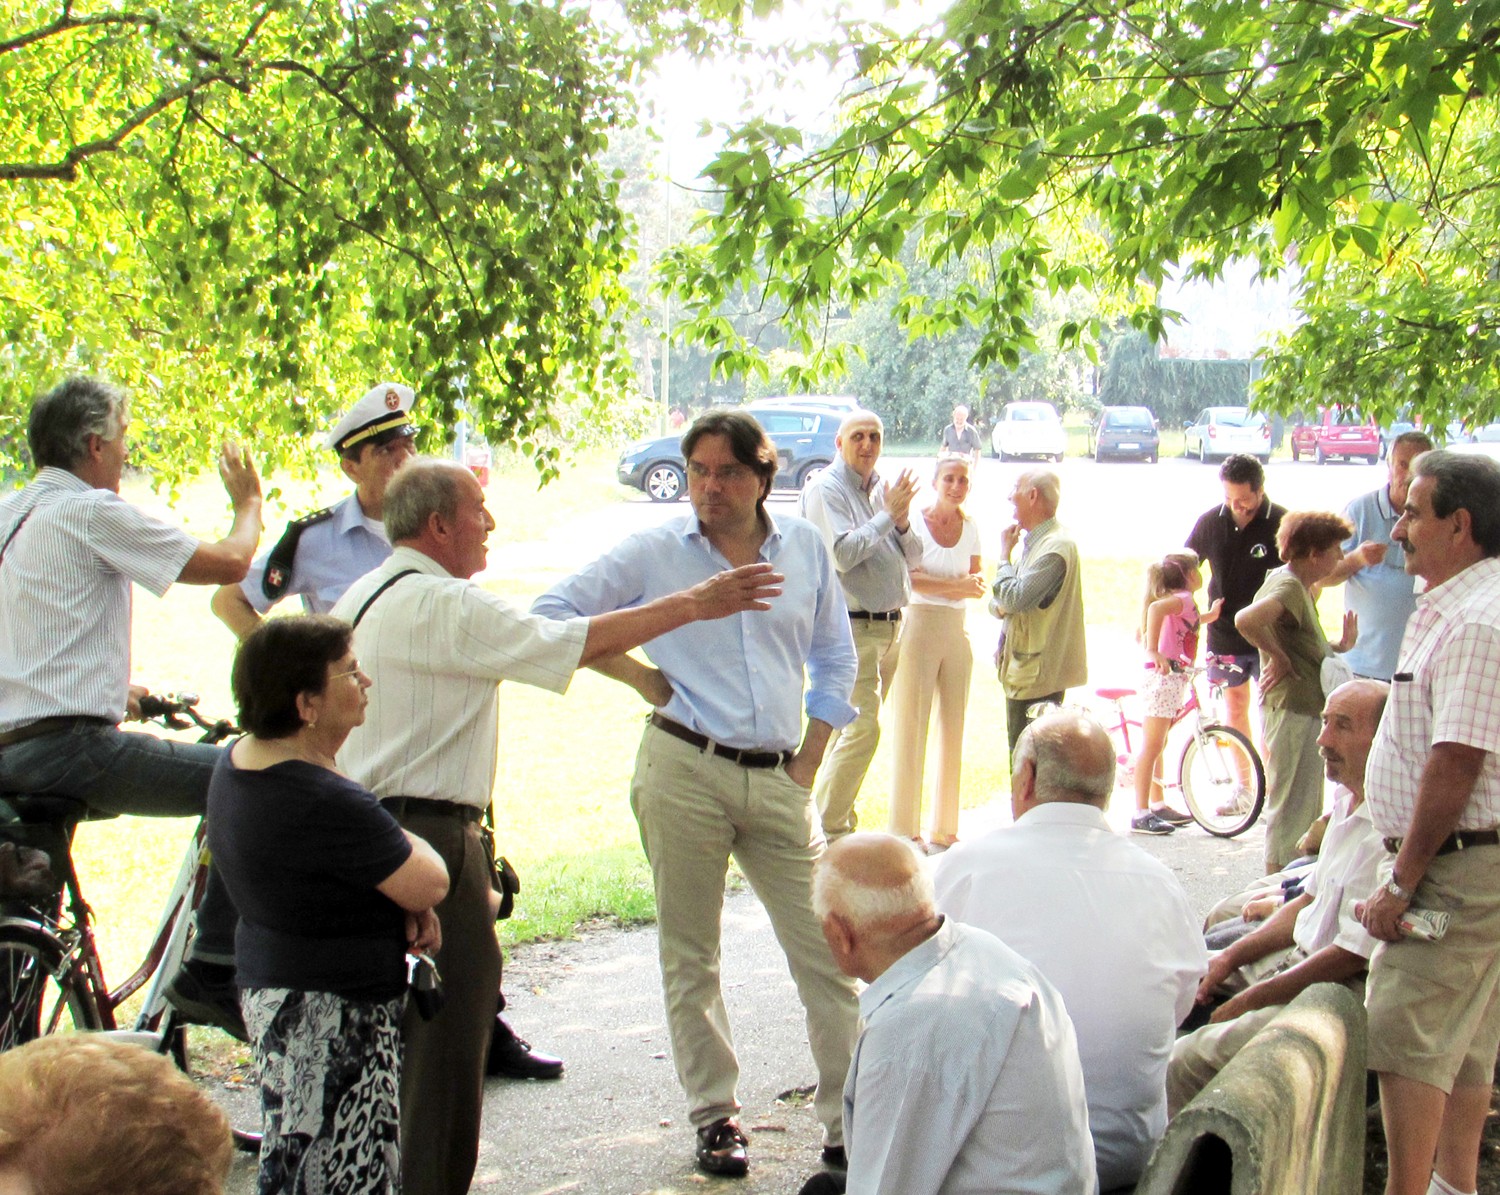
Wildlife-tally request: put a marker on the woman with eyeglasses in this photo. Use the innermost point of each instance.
(332, 892)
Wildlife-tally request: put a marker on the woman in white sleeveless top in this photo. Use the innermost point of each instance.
(936, 659)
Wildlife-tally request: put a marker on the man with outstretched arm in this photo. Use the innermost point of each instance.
(437, 647)
(726, 767)
(70, 548)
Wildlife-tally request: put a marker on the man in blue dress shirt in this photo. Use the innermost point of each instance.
(726, 766)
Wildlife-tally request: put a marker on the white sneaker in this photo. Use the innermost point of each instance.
(1237, 805)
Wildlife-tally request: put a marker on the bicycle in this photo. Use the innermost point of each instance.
(51, 976)
(1220, 774)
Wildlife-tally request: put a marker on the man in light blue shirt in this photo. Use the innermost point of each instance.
(866, 523)
(1377, 586)
(725, 765)
(966, 1078)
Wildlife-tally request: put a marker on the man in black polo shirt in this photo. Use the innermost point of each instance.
(1238, 542)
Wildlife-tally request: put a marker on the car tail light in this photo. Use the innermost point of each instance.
(1265, 431)
(1213, 430)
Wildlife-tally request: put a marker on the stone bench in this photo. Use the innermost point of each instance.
(1286, 1117)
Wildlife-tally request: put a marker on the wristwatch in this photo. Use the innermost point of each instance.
(1397, 890)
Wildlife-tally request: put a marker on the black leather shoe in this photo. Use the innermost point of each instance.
(205, 994)
(835, 1158)
(512, 1057)
(722, 1149)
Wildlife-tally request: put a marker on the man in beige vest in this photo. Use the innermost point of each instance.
(1041, 651)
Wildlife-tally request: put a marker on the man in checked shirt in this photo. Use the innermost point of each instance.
(1433, 788)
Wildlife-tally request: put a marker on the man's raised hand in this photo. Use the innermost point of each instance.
(750, 587)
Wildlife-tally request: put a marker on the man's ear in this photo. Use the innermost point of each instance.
(839, 933)
(1023, 787)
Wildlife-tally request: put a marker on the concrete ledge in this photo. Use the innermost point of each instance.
(1286, 1117)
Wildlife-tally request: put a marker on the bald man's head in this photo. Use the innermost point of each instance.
(1063, 756)
(875, 900)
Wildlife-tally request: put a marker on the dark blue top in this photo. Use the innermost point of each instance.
(301, 849)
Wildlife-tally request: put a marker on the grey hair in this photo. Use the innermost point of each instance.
(423, 487)
(63, 419)
(1063, 774)
(1046, 483)
(1421, 439)
(864, 905)
(1471, 483)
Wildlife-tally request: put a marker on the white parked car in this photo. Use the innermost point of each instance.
(1221, 431)
(1029, 429)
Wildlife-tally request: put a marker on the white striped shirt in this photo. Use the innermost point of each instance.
(437, 647)
(65, 596)
(1446, 690)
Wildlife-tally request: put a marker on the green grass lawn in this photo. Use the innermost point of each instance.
(562, 794)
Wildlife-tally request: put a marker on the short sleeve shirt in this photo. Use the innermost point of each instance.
(331, 555)
(1239, 559)
(1301, 637)
(301, 850)
(961, 441)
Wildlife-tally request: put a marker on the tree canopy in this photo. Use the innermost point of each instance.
(1057, 145)
(248, 212)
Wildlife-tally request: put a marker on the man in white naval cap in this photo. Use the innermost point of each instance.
(321, 554)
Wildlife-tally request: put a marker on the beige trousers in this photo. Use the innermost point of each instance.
(695, 810)
(847, 758)
(938, 662)
(1294, 781)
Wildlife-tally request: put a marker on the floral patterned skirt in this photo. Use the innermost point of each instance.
(330, 1074)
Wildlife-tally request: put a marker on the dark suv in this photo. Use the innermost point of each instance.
(803, 433)
(1125, 432)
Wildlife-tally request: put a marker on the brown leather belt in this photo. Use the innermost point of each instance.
(877, 615)
(56, 725)
(746, 759)
(1459, 840)
(399, 807)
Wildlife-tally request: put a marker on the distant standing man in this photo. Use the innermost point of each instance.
(1238, 541)
(438, 646)
(726, 767)
(321, 554)
(70, 550)
(1042, 652)
(1433, 787)
(1378, 588)
(961, 437)
(966, 1078)
(867, 525)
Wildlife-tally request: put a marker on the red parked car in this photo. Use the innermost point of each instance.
(1337, 432)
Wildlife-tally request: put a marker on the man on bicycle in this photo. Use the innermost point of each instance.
(70, 547)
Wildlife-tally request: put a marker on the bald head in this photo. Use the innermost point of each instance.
(875, 900)
(859, 440)
(1062, 756)
(1351, 716)
(1035, 497)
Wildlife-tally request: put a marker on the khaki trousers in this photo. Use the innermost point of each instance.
(938, 663)
(1294, 781)
(695, 810)
(442, 1062)
(847, 759)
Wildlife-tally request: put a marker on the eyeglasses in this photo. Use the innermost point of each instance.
(348, 672)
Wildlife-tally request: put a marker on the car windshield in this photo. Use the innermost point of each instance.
(1232, 417)
(1030, 414)
(1347, 419)
(1139, 420)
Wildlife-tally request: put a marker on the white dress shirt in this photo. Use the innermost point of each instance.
(1112, 929)
(965, 1079)
(437, 647)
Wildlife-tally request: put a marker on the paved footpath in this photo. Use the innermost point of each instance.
(615, 1123)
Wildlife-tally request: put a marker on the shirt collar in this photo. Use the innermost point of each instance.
(689, 533)
(1452, 592)
(865, 485)
(1261, 512)
(1062, 813)
(910, 967)
(410, 558)
(350, 514)
(1044, 525)
(60, 479)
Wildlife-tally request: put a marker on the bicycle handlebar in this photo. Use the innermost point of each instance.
(178, 711)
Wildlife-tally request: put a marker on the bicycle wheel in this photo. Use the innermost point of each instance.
(40, 989)
(1216, 765)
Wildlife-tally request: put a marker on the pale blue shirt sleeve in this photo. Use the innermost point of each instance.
(871, 555)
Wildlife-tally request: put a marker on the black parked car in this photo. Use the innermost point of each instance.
(803, 433)
(1128, 432)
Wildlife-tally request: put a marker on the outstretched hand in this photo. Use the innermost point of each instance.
(750, 587)
(237, 471)
(1351, 631)
(898, 496)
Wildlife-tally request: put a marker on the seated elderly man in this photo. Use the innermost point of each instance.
(965, 1077)
(1315, 938)
(1105, 922)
